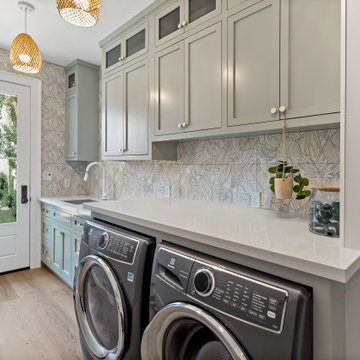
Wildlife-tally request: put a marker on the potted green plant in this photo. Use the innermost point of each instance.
(282, 183)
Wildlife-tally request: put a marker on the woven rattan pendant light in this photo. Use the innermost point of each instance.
(84, 13)
(25, 56)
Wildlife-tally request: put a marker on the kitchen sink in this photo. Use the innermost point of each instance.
(79, 202)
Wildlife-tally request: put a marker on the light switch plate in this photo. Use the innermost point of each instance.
(47, 176)
(67, 183)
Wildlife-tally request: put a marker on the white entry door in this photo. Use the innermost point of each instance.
(14, 175)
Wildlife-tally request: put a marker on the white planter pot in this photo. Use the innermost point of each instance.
(283, 188)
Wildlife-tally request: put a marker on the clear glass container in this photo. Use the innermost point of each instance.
(324, 214)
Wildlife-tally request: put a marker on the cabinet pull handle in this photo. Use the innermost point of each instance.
(273, 110)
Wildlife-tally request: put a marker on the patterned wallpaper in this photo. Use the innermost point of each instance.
(53, 131)
(231, 170)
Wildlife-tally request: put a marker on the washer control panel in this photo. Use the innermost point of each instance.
(115, 244)
(239, 296)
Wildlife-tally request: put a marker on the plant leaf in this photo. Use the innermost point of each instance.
(305, 181)
(298, 178)
(294, 171)
(300, 197)
(272, 170)
(272, 188)
(296, 188)
(307, 193)
(272, 180)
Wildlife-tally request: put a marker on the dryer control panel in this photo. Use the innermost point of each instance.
(119, 245)
(250, 300)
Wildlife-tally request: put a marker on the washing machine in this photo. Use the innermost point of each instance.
(203, 308)
(111, 291)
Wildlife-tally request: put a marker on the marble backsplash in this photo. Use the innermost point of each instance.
(231, 170)
(53, 131)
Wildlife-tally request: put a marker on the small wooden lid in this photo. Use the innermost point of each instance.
(327, 188)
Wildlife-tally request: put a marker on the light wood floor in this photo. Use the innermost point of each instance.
(37, 319)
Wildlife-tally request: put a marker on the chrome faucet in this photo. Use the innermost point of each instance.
(104, 195)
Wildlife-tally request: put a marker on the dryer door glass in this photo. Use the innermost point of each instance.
(183, 331)
(99, 306)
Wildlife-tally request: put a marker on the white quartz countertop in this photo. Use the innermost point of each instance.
(272, 236)
(67, 207)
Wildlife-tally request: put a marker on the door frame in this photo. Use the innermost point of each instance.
(35, 86)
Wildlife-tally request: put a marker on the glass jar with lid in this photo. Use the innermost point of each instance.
(324, 214)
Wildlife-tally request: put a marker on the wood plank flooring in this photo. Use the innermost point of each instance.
(37, 319)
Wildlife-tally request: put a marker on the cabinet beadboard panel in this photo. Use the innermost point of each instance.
(232, 170)
(53, 132)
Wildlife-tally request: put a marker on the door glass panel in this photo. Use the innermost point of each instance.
(8, 154)
(199, 8)
(135, 43)
(101, 308)
(113, 56)
(71, 82)
(169, 23)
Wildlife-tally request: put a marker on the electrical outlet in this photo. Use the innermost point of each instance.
(66, 183)
(47, 176)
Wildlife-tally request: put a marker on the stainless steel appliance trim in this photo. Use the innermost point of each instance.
(152, 341)
(97, 350)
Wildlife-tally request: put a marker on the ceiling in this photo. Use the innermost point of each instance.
(58, 41)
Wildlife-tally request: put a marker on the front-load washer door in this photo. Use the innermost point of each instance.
(181, 331)
(99, 307)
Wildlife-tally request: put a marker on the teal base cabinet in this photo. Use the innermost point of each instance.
(60, 243)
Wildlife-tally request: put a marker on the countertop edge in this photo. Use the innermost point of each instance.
(322, 270)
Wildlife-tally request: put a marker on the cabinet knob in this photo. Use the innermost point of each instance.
(184, 124)
(273, 110)
(184, 23)
(282, 109)
(179, 125)
(74, 153)
(179, 26)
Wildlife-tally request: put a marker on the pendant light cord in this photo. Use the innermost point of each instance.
(26, 11)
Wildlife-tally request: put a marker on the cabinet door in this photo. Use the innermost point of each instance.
(66, 264)
(136, 43)
(203, 79)
(56, 249)
(113, 55)
(113, 115)
(197, 11)
(75, 250)
(253, 64)
(137, 109)
(169, 89)
(310, 57)
(168, 23)
(71, 126)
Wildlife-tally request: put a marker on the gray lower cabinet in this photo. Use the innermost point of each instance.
(60, 241)
(291, 61)
(125, 130)
(188, 84)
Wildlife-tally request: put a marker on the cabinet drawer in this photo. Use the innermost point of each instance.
(60, 216)
(77, 224)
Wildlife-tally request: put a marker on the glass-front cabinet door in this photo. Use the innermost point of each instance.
(113, 56)
(169, 23)
(197, 9)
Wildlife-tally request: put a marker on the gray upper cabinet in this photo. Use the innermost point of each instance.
(310, 57)
(203, 79)
(182, 16)
(82, 112)
(169, 90)
(125, 112)
(253, 64)
(188, 84)
(130, 46)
